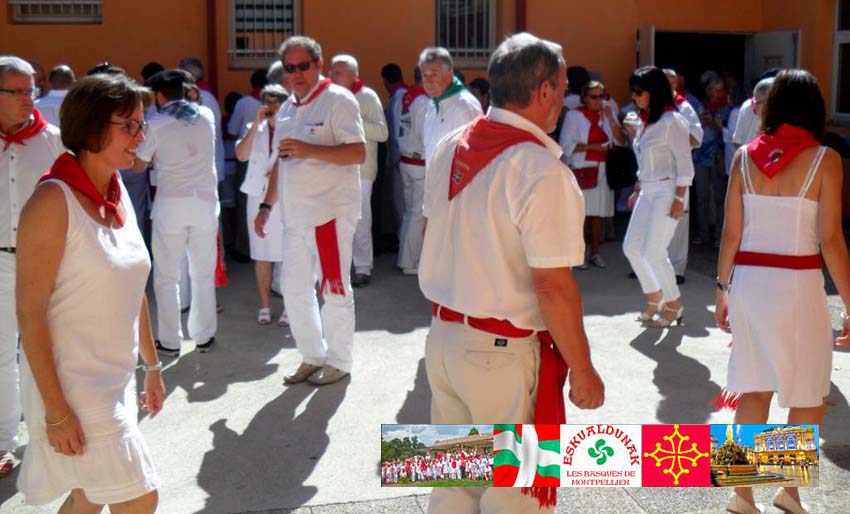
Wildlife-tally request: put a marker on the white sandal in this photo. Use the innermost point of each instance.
(643, 317)
(283, 320)
(264, 316)
(663, 322)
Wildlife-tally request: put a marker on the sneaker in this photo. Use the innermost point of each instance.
(7, 463)
(283, 320)
(205, 347)
(597, 261)
(361, 280)
(170, 352)
(327, 375)
(303, 372)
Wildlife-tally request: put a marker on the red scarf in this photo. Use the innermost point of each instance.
(67, 169)
(329, 260)
(679, 99)
(322, 86)
(479, 144)
(644, 115)
(33, 129)
(413, 92)
(596, 134)
(772, 152)
(357, 86)
(396, 86)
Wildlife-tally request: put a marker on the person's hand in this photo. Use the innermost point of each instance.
(586, 389)
(677, 210)
(154, 393)
(633, 198)
(294, 149)
(721, 312)
(67, 437)
(262, 115)
(844, 339)
(607, 108)
(260, 222)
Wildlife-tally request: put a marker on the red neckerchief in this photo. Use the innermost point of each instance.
(33, 129)
(772, 152)
(596, 134)
(479, 144)
(322, 86)
(357, 86)
(67, 169)
(644, 115)
(413, 92)
(256, 92)
(204, 85)
(679, 99)
(396, 86)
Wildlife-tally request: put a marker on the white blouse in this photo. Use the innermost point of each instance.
(575, 131)
(663, 151)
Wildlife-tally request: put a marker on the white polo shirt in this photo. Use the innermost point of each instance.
(455, 111)
(411, 128)
(313, 192)
(523, 210)
(374, 127)
(20, 168)
(183, 153)
(50, 104)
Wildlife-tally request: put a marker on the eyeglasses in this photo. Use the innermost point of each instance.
(32, 92)
(595, 97)
(132, 127)
(301, 66)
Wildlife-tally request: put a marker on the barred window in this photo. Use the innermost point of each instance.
(258, 27)
(56, 11)
(467, 29)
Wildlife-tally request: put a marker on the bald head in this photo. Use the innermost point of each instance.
(61, 77)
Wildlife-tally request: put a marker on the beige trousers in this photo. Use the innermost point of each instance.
(480, 378)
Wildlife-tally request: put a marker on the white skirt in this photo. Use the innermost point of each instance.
(599, 201)
(269, 248)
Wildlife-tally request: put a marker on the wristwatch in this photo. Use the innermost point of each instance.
(265, 205)
(720, 285)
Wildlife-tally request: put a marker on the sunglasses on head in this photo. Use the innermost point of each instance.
(301, 66)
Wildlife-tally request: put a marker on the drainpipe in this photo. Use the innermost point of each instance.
(212, 46)
(521, 11)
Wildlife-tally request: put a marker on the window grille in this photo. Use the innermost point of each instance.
(56, 11)
(258, 27)
(467, 29)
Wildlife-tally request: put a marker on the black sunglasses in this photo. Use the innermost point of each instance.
(301, 66)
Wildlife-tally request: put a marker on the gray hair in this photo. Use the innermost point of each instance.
(348, 60)
(276, 72)
(519, 65)
(275, 90)
(305, 43)
(192, 65)
(763, 87)
(434, 54)
(12, 64)
(671, 73)
(61, 77)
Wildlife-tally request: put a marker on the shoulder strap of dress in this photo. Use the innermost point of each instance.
(745, 171)
(810, 177)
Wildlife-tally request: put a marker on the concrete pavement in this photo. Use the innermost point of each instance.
(233, 439)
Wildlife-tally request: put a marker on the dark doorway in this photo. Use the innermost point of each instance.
(691, 54)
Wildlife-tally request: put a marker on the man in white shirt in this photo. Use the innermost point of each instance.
(316, 178)
(28, 147)
(452, 105)
(180, 144)
(344, 72)
(61, 77)
(196, 69)
(748, 124)
(505, 227)
(412, 109)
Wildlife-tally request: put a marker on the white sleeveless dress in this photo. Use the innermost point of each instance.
(93, 317)
(781, 329)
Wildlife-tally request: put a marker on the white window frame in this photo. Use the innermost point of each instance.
(842, 37)
(241, 59)
(45, 12)
(465, 56)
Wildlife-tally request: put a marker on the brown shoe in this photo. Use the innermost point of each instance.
(304, 372)
(328, 375)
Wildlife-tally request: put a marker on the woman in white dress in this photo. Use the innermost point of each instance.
(82, 270)
(783, 217)
(586, 136)
(255, 147)
(665, 171)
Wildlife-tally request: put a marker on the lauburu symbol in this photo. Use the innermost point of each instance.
(600, 452)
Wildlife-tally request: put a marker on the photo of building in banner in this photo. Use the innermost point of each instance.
(753, 455)
(437, 455)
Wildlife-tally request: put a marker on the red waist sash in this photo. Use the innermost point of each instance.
(772, 260)
(411, 160)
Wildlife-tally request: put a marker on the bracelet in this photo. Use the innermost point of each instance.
(151, 367)
(265, 205)
(63, 420)
(680, 199)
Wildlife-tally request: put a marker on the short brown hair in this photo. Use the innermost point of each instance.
(88, 107)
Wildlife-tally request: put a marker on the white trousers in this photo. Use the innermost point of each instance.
(326, 336)
(363, 254)
(10, 395)
(679, 244)
(474, 381)
(650, 230)
(412, 222)
(171, 241)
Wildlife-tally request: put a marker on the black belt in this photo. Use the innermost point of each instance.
(7, 249)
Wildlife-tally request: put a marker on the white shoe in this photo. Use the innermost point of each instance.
(738, 505)
(283, 320)
(784, 502)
